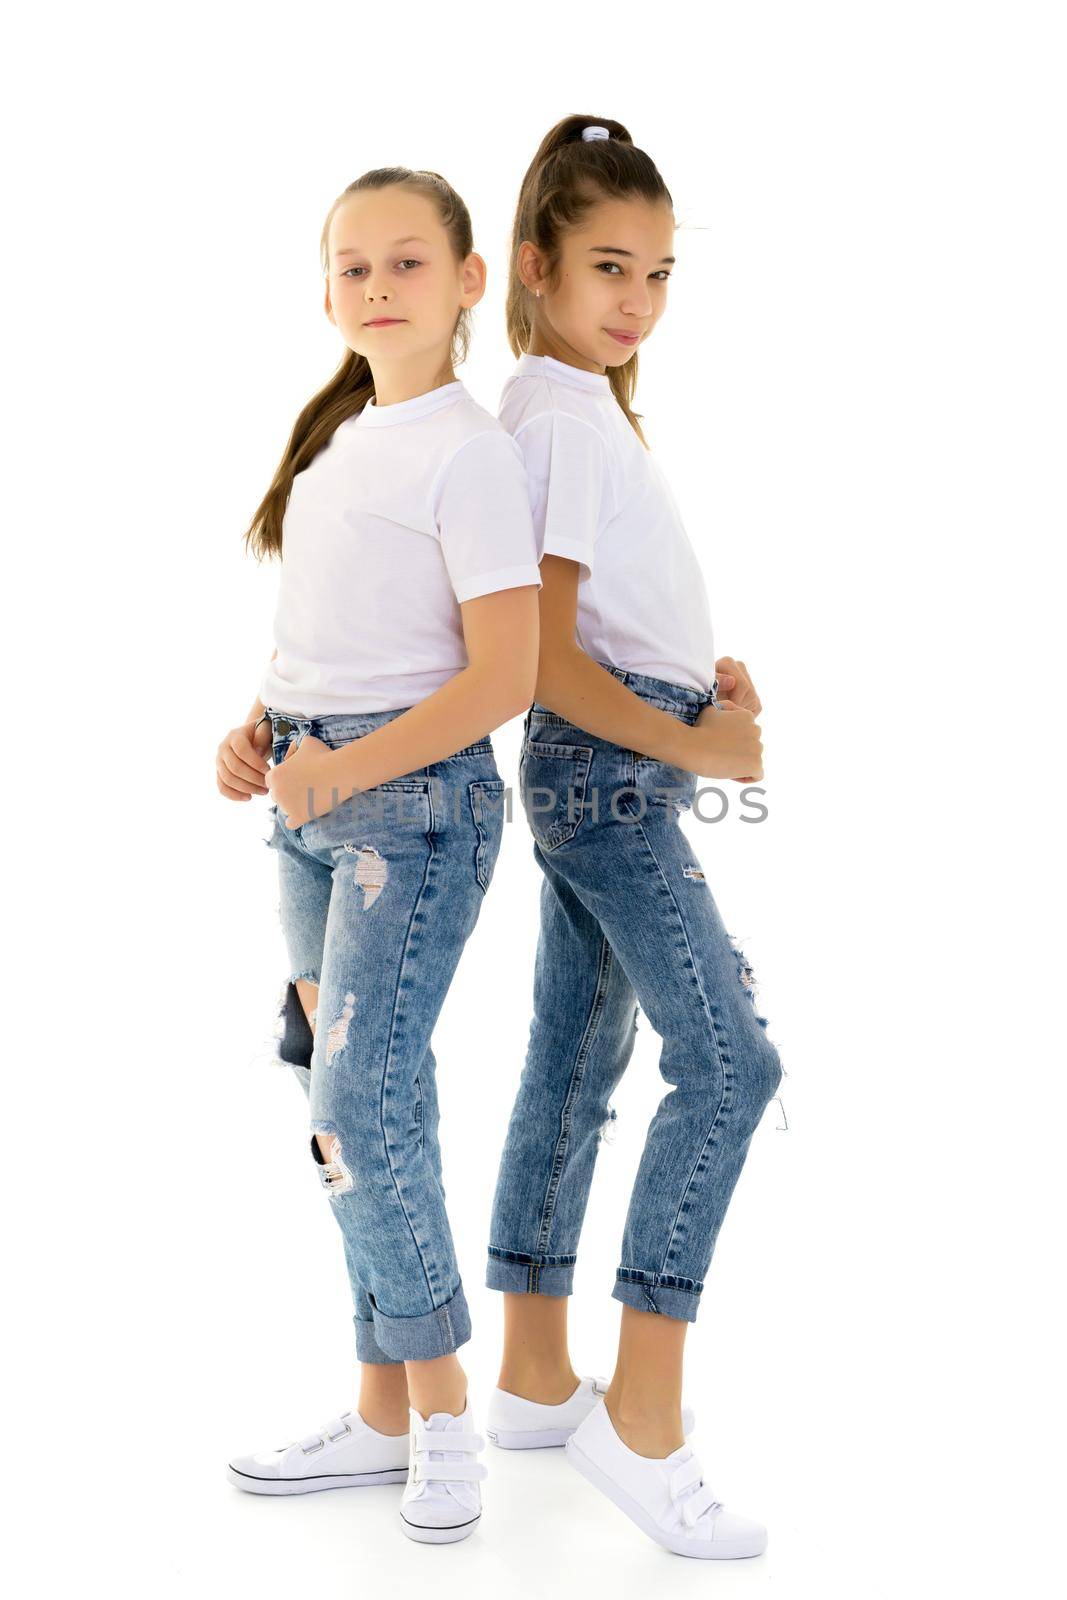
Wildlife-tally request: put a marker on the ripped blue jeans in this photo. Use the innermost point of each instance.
(627, 919)
(378, 898)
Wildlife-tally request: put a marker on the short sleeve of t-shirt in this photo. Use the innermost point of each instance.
(481, 506)
(566, 470)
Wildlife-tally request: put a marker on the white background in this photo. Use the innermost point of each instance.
(858, 395)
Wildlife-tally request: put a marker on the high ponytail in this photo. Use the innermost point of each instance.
(566, 178)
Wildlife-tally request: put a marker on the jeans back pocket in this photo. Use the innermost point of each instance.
(554, 779)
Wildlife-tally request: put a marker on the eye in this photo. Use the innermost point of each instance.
(609, 264)
(349, 270)
(410, 261)
(662, 274)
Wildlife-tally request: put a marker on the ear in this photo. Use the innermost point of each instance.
(473, 275)
(327, 306)
(528, 266)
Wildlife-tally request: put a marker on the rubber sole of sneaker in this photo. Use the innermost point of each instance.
(718, 1550)
(332, 1480)
(530, 1439)
(429, 1535)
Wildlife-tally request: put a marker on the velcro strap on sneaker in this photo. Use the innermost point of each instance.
(685, 1476)
(450, 1471)
(425, 1439)
(698, 1503)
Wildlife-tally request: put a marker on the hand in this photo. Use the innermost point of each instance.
(305, 785)
(733, 677)
(728, 743)
(240, 763)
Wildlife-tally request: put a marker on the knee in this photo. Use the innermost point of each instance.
(760, 1072)
(362, 1138)
(771, 1064)
(763, 1065)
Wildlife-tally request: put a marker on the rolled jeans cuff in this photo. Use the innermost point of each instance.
(516, 1273)
(437, 1333)
(658, 1292)
(367, 1347)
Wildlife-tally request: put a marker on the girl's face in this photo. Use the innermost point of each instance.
(611, 282)
(394, 287)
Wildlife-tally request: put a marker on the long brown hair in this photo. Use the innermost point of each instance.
(352, 385)
(565, 179)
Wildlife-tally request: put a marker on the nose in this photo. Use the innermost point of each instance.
(637, 304)
(373, 294)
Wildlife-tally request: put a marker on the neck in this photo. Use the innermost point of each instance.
(394, 382)
(546, 342)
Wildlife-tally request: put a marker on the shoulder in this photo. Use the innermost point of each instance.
(470, 431)
(544, 426)
(480, 459)
(533, 398)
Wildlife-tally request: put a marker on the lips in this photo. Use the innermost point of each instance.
(621, 336)
(383, 322)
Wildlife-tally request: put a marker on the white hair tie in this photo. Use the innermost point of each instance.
(595, 132)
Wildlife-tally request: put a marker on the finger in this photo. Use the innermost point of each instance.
(243, 762)
(240, 776)
(726, 680)
(246, 751)
(230, 794)
(246, 782)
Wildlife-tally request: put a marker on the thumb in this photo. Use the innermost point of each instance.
(728, 705)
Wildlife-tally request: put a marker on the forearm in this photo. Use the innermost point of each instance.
(573, 685)
(470, 705)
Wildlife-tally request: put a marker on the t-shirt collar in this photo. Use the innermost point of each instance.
(373, 416)
(549, 367)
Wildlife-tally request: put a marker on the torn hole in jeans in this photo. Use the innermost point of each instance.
(371, 873)
(337, 1037)
(294, 1040)
(746, 977)
(334, 1176)
(606, 1131)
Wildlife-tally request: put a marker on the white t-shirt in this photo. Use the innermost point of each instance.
(409, 510)
(599, 498)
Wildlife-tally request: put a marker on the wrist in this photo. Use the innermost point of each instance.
(682, 747)
(347, 769)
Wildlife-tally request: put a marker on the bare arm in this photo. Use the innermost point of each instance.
(572, 684)
(500, 632)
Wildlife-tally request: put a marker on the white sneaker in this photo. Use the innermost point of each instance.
(518, 1424)
(667, 1498)
(442, 1501)
(344, 1454)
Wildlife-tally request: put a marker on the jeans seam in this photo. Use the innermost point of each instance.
(389, 1052)
(724, 1062)
(577, 1075)
(639, 1278)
